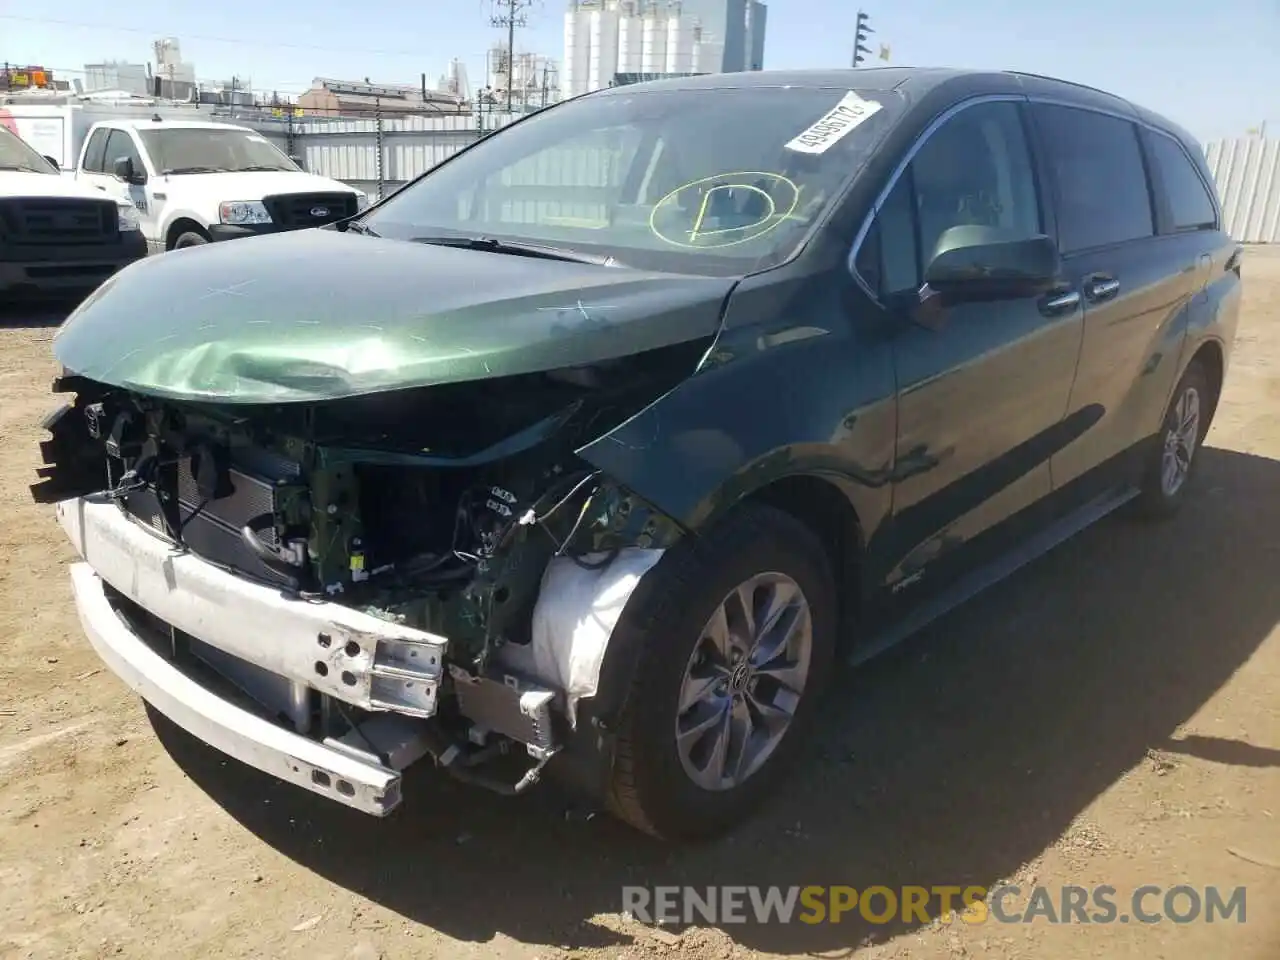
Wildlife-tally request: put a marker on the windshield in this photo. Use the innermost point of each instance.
(211, 150)
(16, 155)
(714, 182)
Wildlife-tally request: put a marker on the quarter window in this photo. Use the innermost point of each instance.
(1190, 204)
(1096, 160)
(973, 170)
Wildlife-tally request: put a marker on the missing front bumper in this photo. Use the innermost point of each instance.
(277, 649)
(351, 656)
(266, 746)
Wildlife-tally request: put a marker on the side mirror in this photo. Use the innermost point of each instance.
(52, 162)
(124, 170)
(989, 263)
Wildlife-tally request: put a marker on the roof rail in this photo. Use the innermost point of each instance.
(1069, 83)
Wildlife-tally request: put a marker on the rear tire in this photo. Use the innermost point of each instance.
(1170, 465)
(774, 563)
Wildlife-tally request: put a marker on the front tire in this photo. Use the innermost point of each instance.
(190, 238)
(1170, 465)
(737, 645)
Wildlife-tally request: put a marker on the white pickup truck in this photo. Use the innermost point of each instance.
(58, 236)
(197, 181)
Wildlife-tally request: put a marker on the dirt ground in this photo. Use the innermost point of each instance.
(1108, 716)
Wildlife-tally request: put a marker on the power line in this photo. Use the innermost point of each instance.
(237, 41)
(512, 18)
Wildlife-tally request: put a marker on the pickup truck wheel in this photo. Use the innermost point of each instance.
(190, 239)
(735, 656)
(1173, 456)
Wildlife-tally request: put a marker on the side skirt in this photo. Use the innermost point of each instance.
(975, 582)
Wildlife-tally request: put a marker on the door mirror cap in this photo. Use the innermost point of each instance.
(124, 170)
(990, 263)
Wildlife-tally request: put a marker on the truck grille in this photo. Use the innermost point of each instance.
(55, 220)
(213, 531)
(294, 211)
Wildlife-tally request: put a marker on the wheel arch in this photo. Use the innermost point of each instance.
(1212, 358)
(180, 225)
(822, 504)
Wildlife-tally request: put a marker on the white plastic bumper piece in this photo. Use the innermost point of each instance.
(352, 656)
(259, 743)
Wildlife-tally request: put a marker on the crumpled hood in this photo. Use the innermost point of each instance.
(320, 315)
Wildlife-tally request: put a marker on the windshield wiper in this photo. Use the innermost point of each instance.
(166, 172)
(519, 249)
(356, 226)
(260, 167)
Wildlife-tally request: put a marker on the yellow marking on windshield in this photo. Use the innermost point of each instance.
(692, 233)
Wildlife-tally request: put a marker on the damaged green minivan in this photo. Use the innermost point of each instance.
(587, 453)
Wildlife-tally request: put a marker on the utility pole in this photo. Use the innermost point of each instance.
(545, 68)
(509, 14)
(860, 38)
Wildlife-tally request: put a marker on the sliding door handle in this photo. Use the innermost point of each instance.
(1101, 288)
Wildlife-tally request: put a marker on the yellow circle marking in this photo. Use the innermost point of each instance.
(723, 182)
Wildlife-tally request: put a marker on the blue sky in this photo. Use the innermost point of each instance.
(1214, 68)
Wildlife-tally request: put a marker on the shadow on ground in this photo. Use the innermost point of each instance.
(36, 312)
(951, 760)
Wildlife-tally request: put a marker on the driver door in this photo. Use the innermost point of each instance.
(120, 144)
(982, 386)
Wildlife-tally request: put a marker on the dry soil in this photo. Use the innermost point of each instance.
(1108, 716)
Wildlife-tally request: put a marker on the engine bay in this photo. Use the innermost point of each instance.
(438, 509)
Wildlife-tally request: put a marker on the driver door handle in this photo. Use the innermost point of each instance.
(1059, 302)
(1101, 287)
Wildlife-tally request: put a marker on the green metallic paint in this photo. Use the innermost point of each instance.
(321, 315)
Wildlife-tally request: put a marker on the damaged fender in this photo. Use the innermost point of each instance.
(741, 423)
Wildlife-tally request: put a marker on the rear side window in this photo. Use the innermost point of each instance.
(93, 156)
(1190, 204)
(1103, 198)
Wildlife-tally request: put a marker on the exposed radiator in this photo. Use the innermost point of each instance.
(213, 530)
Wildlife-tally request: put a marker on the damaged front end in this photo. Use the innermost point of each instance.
(332, 590)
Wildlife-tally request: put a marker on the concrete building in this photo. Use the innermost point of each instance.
(455, 81)
(640, 39)
(534, 79)
(174, 79)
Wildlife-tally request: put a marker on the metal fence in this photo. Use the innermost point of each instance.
(376, 154)
(1247, 170)
(380, 154)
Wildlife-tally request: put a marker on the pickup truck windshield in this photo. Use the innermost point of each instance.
(701, 181)
(178, 150)
(16, 155)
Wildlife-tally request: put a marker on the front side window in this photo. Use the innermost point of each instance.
(1190, 205)
(179, 150)
(1102, 184)
(974, 170)
(121, 146)
(690, 181)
